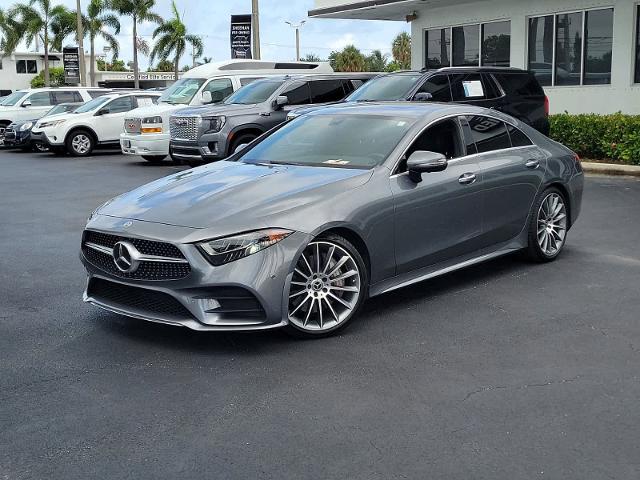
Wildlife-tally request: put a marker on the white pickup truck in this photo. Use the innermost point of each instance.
(146, 130)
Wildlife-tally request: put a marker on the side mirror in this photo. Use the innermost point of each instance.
(422, 97)
(280, 101)
(206, 97)
(422, 161)
(102, 111)
(26, 103)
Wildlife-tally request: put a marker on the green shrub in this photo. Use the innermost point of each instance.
(56, 77)
(614, 137)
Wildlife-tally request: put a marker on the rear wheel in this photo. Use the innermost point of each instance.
(154, 158)
(548, 226)
(328, 287)
(80, 143)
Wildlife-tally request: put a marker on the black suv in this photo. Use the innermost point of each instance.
(511, 90)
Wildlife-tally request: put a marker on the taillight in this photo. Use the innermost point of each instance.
(576, 161)
(546, 106)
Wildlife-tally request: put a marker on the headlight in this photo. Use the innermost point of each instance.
(53, 123)
(228, 249)
(156, 123)
(214, 124)
(26, 126)
(156, 119)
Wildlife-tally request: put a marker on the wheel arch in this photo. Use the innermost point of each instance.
(567, 196)
(87, 129)
(354, 238)
(247, 129)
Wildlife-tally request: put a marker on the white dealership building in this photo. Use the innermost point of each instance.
(586, 53)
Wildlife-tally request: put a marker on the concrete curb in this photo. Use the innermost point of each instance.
(611, 169)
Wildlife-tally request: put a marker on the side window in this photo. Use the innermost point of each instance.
(119, 105)
(469, 142)
(524, 84)
(442, 137)
(467, 86)
(298, 94)
(323, 91)
(40, 99)
(145, 100)
(492, 89)
(351, 85)
(220, 89)
(66, 96)
(438, 87)
(247, 80)
(518, 139)
(488, 133)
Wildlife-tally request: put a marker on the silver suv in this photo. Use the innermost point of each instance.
(214, 132)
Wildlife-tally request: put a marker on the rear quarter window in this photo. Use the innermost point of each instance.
(488, 133)
(518, 139)
(523, 84)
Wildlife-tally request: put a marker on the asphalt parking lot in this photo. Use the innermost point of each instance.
(507, 370)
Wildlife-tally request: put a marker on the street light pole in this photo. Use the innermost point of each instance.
(80, 31)
(297, 27)
(255, 19)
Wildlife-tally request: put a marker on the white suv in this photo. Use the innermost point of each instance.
(146, 130)
(35, 102)
(97, 123)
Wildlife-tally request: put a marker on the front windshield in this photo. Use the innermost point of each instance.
(182, 92)
(91, 104)
(390, 87)
(326, 140)
(13, 99)
(256, 92)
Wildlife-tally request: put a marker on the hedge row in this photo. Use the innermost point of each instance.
(613, 137)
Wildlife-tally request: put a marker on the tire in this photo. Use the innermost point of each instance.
(155, 159)
(242, 139)
(324, 300)
(40, 148)
(548, 225)
(80, 143)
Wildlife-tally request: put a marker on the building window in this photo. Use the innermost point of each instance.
(438, 45)
(571, 48)
(26, 66)
(496, 44)
(463, 45)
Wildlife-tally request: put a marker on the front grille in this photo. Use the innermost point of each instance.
(184, 128)
(145, 301)
(10, 134)
(132, 125)
(236, 303)
(146, 270)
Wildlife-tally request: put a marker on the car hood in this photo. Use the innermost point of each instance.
(153, 110)
(219, 109)
(233, 196)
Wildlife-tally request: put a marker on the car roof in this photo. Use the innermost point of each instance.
(426, 71)
(317, 76)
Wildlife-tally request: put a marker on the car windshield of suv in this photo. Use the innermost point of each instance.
(326, 140)
(182, 92)
(13, 99)
(256, 92)
(390, 87)
(91, 104)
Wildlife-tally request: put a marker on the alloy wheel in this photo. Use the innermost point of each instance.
(552, 224)
(81, 144)
(325, 287)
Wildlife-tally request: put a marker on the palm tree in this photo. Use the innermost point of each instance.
(95, 25)
(207, 59)
(33, 21)
(62, 26)
(350, 60)
(140, 11)
(401, 50)
(377, 61)
(173, 39)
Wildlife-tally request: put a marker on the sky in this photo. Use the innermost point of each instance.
(210, 19)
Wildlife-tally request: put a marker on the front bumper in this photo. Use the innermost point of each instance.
(46, 138)
(13, 138)
(154, 144)
(248, 294)
(209, 147)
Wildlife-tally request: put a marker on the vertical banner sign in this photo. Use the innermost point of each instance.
(240, 36)
(71, 62)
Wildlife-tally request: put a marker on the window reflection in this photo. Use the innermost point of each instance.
(496, 44)
(466, 47)
(598, 41)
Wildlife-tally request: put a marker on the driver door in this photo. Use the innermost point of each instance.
(298, 94)
(439, 218)
(109, 125)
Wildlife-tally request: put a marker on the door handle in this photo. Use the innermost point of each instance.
(467, 178)
(532, 163)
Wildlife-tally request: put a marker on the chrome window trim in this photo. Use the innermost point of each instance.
(404, 151)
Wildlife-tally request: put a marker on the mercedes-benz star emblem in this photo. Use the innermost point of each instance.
(125, 256)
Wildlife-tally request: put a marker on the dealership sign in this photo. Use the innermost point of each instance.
(71, 63)
(152, 76)
(240, 36)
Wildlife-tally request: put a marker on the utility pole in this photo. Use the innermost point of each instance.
(297, 27)
(255, 19)
(83, 67)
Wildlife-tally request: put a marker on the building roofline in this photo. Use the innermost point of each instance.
(358, 5)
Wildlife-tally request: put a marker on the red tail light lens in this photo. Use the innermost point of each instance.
(546, 106)
(576, 161)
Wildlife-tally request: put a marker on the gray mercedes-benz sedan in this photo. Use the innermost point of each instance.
(303, 224)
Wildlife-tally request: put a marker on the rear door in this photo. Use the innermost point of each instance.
(327, 91)
(470, 88)
(512, 172)
(298, 94)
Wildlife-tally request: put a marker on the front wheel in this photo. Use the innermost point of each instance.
(547, 226)
(80, 143)
(154, 158)
(328, 287)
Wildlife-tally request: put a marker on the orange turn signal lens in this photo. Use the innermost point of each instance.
(151, 130)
